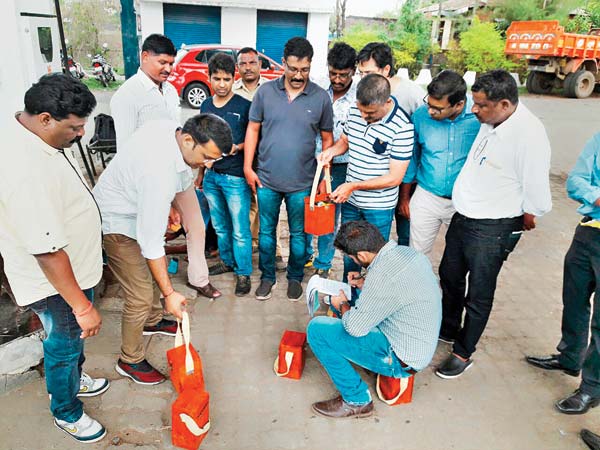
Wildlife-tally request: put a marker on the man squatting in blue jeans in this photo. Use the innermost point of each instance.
(392, 328)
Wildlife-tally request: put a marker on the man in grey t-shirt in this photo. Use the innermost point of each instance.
(287, 114)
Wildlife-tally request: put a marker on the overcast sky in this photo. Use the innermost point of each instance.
(370, 8)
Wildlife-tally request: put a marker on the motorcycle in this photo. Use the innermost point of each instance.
(75, 68)
(101, 69)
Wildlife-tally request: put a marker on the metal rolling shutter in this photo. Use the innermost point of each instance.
(190, 24)
(274, 28)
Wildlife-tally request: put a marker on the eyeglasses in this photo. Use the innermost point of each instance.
(435, 109)
(294, 70)
(343, 76)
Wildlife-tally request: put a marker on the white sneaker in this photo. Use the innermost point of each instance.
(90, 387)
(85, 430)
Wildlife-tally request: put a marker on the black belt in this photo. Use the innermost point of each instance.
(505, 220)
(219, 171)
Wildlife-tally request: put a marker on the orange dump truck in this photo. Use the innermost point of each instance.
(556, 59)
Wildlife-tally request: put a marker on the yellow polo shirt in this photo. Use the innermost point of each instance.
(45, 206)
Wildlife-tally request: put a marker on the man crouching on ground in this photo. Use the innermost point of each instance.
(392, 328)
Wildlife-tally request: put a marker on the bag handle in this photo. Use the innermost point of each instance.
(182, 336)
(315, 185)
(403, 386)
(192, 426)
(289, 357)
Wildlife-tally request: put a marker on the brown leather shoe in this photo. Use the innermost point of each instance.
(207, 291)
(337, 408)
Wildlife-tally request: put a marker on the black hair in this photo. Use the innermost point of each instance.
(245, 50)
(358, 236)
(298, 47)
(448, 83)
(206, 127)
(159, 44)
(341, 56)
(221, 62)
(380, 53)
(497, 85)
(373, 89)
(59, 95)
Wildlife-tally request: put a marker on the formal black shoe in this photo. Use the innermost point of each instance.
(577, 403)
(550, 363)
(592, 440)
(453, 367)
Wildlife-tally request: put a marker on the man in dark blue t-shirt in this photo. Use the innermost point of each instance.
(225, 187)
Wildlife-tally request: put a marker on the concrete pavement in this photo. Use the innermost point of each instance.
(500, 403)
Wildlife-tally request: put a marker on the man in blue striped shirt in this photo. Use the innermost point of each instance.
(445, 128)
(581, 279)
(392, 328)
(379, 139)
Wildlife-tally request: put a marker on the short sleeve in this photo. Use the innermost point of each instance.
(36, 213)
(326, 123)
(403, 143)
(257, 108)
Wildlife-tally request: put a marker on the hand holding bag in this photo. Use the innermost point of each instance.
(184, 361)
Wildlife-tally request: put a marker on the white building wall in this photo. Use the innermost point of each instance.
(322, 6)
(317, 33)
(238, 26)
(151, 18)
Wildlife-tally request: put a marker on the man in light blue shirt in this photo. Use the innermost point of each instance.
(445, 129)
(581, 279)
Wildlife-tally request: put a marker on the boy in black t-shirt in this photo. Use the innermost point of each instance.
(224, 184)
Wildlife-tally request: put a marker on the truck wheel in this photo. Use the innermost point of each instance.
(579, 84)
(194, 94)
(539, 82)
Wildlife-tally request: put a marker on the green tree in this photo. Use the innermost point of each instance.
(483, 48)
(357, 36)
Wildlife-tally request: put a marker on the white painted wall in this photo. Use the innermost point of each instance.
(151, 18)
(238, 26)
(317, 33)
(322, 6)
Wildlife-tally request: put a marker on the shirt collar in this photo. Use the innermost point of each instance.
(239, 83)
(47, 148)
(505, 128)
(386, 248)
(180, 164)
(349, 96)
(146, 81)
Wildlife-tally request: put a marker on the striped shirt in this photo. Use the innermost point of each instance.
(370, 149)
(402, 298)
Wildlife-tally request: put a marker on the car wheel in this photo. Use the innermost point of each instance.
(195, 94)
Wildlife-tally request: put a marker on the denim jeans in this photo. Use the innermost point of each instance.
(337, 350)
(229, 200)
(581, 279)
(325, 242)
(269, 203)
(478, 247)
(381, 218)
(63, 355)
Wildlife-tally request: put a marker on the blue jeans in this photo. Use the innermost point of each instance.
(325, 242)
(337, 350)
(381, 218)
(63, 355)
(203, 206)
(229, 200)
(269, 203)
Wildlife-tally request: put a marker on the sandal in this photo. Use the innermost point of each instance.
(207, 291)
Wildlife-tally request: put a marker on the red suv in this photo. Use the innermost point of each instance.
(190, 71)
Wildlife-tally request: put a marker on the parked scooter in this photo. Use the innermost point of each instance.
(75, 68)
(101, 69)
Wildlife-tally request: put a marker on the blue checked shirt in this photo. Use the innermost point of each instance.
(441, 148)
(583, 184)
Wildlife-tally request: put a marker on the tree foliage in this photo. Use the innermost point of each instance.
(482, 48)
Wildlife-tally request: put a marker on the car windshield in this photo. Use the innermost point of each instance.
(180, 54)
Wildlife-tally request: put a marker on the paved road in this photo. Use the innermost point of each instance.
(501, 403)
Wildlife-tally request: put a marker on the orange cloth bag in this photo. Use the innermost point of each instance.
(190, 418)
(394, 391)
(319, 211)
(290, 362)
(184, 361)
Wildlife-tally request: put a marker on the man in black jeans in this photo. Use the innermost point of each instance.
(581, 279)
(502, 187)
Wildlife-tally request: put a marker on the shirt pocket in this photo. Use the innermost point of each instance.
(379, 146)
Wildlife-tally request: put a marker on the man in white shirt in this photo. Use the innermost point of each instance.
(500, 190)
(149, 96)
(50, 240)
(134, 195)
(377, 57)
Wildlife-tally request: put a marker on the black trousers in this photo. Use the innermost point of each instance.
(581, 279)
(478, 247)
